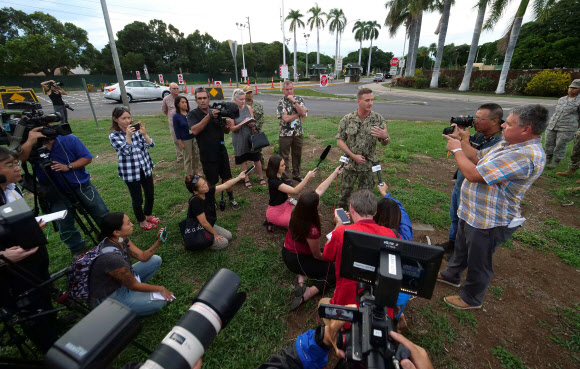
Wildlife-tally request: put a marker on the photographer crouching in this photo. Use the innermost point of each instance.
(55, 91)
(59, 163)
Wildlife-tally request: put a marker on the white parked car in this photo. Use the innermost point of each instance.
(137, 90)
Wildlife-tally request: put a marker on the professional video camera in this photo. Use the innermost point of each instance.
(384, 266)
(97, 339)
(18, 227)
(58, 84)
(463, 122)
(226, 110)
(21, 117)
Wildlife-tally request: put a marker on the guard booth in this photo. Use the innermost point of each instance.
(353, 72)
(316, 70)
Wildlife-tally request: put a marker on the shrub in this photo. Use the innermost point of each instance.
(484, 84)
(517, 85)
(443, 80)
(404, 81)
(453, 82)
(548, 83)
(421, 83)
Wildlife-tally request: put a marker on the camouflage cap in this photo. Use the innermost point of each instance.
(575, 83)
(247, 89)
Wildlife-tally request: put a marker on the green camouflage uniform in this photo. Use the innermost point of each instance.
(357, 136)
(575, 158)
(561, 129)
(259, 117)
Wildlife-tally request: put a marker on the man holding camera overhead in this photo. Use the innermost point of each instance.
(55, 91)
(358, 133)
(487, 123)
(209, 133)
(497, 179)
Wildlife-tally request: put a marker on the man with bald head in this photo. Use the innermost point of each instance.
(168, 108)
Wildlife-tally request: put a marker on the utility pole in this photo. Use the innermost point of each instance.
(306, 36)
(115, 54)
(241, 27)
(250, 32)
(283, 34)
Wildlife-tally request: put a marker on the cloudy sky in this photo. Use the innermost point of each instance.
(219, 18)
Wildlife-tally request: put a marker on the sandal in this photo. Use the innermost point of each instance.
(299, 290)
(268, 225)
(263, 182)
(248, 184)
(149, 226)
(299, 300)
(153, 219)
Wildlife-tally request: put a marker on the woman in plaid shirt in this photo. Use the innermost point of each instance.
(135, 164)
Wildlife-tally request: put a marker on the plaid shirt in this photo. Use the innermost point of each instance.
(132, 157)
(508, 170)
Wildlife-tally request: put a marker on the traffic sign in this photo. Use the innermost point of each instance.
(394, 62)
(180, 78)
(244, 73)
(138, 75)
(161, 78)
(323, 80)
(283, 71)
(218, 83)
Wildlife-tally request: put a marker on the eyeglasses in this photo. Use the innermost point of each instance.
(14, 165)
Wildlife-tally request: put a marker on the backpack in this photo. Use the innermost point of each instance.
(78, 281)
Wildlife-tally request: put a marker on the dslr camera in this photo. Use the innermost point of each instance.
(463, 122)
(226, 110)
(384, 267)
(57, 84)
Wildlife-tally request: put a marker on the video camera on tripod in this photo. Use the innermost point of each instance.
(384, 266)
(97, 339)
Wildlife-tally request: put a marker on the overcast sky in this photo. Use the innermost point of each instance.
(219, 17)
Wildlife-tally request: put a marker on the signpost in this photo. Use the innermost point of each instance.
(146, 72)
(394, 62)
(161, 79)
(323, 80)
(218, 83)
(180, 79)
(234, 49)
(138, 75)
(244, 73)
(284, 71)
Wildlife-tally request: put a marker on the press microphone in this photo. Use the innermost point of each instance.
(377, 169)
(323, 155)
(343, 161)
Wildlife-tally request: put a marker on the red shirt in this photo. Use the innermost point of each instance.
(345, 291)
(301, 247)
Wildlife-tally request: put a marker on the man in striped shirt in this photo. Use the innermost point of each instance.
(489, 210)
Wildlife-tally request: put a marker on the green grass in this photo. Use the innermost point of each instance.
(469, 93)
(309, 92)
(507, 359)
(496, 290)
(567, 332)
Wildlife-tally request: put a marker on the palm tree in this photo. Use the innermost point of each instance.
(397, 16)
(336, 22)
(316, 21)
(481, 6)
(541, 8)
(360, 34)
(441, 43)
(294, 16)
(372, 34)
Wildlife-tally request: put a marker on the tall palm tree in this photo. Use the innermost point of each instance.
(294, 16)
(441, 43)
(481, 6)
(541, 8)
(372, 34)
(398, 15)
(316, 21)
(336, 22)
(360, 33)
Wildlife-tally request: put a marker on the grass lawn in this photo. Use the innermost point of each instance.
(259, 328)
(470, 93)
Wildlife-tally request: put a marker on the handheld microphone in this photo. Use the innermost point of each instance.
(323, 155)
(377, 169)
(343, 161)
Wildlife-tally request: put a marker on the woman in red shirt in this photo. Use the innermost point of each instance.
(301, 252)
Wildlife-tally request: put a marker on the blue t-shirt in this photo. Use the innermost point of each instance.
(68, 149)
(181, 128)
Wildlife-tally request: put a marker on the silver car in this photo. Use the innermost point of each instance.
(137, 90)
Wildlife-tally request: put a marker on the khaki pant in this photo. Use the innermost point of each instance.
(191, 157)
(293, 143)
(178, 151)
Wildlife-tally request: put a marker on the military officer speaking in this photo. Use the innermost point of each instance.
(358, 133)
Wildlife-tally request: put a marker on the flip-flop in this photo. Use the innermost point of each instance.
(263, 183)
(149, 226)
(153, 220)
(296, 302)
(298, 289)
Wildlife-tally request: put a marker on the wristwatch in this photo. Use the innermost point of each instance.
(69, 166)
(319, 336)
(386, 139)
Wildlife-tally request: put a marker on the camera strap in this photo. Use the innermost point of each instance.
(16, 138)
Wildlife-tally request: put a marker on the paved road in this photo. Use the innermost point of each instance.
(403, 105)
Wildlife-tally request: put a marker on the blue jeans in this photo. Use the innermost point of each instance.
(92, 202)
(455, 196)
(140, 302)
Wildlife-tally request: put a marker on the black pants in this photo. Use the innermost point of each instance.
(320, 271)
(137, 198)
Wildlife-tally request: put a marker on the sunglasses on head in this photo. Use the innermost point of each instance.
(195, 179)
(200, 89)
(121, 108)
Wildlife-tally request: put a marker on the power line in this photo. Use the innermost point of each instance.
(132, 8)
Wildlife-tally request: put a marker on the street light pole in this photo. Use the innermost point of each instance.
(283, 34)
(250, 32)
(306, 36)
(241, 26)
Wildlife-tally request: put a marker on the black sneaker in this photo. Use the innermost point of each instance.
(298, 178)
(234, 204)
(448, 246)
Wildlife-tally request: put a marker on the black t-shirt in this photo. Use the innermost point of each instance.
(198, 206)
(56, 98)
(276, 197)
(211, 139)
(101, 284)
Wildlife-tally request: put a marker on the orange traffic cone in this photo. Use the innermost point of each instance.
(230, 81)
(272, 82)
(208, 82)
(256, 85)
(186, 88)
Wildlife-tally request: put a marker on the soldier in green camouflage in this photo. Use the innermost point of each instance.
(358, 134)
(258, 115)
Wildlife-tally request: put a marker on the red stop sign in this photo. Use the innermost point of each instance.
(394, 62)
(323, 80)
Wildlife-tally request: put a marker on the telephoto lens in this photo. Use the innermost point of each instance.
(212, 309)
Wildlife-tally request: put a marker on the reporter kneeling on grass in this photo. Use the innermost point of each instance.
(112, 274)
(200, 228)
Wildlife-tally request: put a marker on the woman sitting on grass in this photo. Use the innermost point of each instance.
(112, 274)
(202, 209)
(301, 252)
(279, 206)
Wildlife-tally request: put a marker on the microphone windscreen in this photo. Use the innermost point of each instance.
(325, 152)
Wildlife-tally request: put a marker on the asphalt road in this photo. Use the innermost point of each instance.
(408, 107)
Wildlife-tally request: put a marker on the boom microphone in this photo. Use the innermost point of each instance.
(323, 155)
